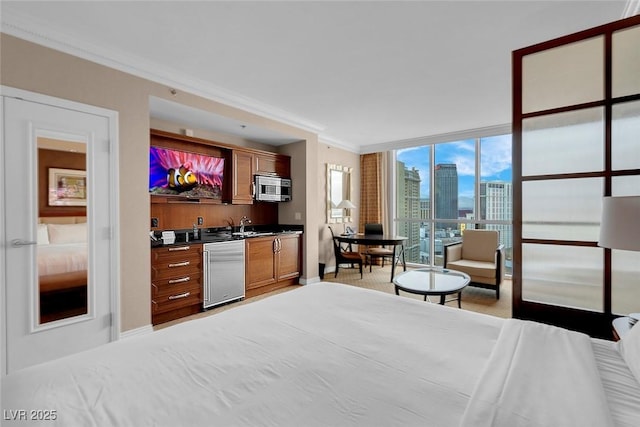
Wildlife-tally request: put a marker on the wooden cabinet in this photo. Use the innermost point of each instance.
(246, 164)
(272, 262)
(272, 164)
(242, 183)
(176, 284)
(289, 256)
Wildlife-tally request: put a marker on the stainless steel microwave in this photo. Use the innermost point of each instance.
(272, 189)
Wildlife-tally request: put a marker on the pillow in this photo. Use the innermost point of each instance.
(629, 347)
(67, 233)
(43, 234)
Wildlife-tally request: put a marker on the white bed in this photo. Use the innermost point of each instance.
(62, 255)
(335, 355)
(62, 258)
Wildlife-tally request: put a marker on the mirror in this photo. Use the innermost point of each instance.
(338, 193)
(62, 229)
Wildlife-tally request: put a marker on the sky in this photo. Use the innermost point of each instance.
(495, 162)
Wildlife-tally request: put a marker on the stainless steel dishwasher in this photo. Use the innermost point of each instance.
(223, 267)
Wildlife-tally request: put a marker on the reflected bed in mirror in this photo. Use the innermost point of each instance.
(62, 252)
(62, 267)
(338, 193)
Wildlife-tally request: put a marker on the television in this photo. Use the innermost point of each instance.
(182, 173)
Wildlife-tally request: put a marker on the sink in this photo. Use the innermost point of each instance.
(253, 233)
(244, 233)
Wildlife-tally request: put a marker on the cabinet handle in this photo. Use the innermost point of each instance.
(205, 271)
(180, 280)
(253, 189)
(179, 296)
(179, 264)
(180, 248)
(279, 244)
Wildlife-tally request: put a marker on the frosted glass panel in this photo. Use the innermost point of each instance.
(566, 75)
(625, 282)
(626, 62)
(626, 185)
(562, 209)
(563, 143)
(625, 131)
(563, 275)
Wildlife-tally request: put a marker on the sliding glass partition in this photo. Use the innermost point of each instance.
(444, 188)
(576, 121)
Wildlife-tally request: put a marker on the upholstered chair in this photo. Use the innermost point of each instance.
(479, 254)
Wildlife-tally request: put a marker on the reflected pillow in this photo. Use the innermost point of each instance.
(629, 347)
(67, 233)
(43, 234)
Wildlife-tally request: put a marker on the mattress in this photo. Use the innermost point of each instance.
(322, 355)
(62, 258)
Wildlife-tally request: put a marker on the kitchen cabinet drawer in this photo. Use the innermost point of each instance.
(175, 268)
(175, 300)
(176, 281)
(164, 253)
(178, 284)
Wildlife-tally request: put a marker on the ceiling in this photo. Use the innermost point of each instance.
(361, 74)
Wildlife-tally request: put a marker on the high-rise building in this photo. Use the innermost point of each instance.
(425, 209)
(446, 197)
(496, 204)
(408, 206)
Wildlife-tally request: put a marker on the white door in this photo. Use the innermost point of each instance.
(50, 311)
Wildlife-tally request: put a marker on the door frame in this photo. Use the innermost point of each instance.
(114, 203)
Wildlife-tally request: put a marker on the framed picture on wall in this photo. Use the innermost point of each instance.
(67, 187)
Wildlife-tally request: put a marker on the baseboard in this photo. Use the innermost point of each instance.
(135, 332)
(310, 280)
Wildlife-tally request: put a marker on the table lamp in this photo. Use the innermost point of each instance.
(620, 228)
(346, 204)
(620, 225)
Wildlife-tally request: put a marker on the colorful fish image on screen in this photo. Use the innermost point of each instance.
(174, 172)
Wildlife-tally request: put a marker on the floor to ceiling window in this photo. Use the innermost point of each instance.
(442, 189)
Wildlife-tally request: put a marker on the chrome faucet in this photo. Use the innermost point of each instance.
(244, 220)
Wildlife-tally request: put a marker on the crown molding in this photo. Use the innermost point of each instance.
(42, 33)
(435, 139)
(338, 144)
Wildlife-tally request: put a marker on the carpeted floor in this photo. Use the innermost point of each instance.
(473, 299)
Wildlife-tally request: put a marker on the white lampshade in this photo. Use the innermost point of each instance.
(620, 226)
(346, 204)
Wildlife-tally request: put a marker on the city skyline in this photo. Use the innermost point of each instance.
(495, 163)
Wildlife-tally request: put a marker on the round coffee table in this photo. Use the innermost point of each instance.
(432, 281)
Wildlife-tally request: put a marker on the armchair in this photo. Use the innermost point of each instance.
(345, 255)
(479, 254)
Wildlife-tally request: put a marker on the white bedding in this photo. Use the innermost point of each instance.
(539, 375)
(323, 355)
(61, 258)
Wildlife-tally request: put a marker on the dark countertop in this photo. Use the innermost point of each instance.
(212, 235)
